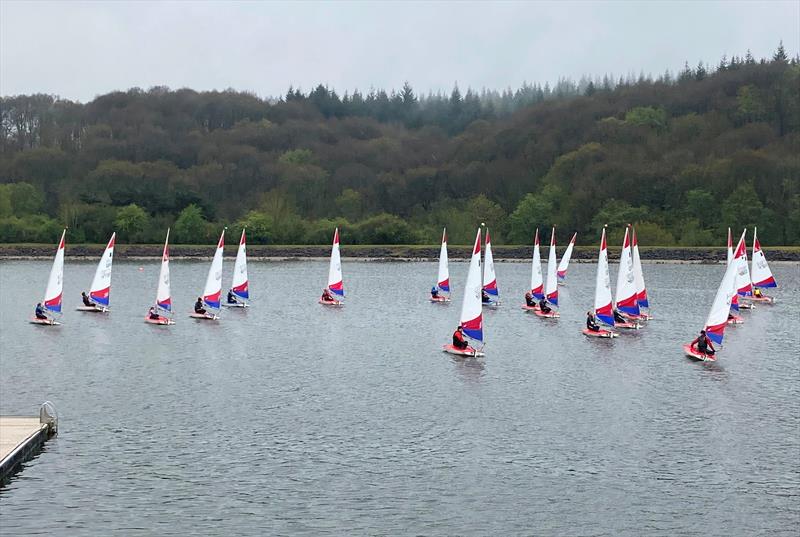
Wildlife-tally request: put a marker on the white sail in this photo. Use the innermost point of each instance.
(718, 315)
(638, 275)
(163, 293)
(240, 283)
(443, 280)
(335, 280)
(626, 286)
(55, 282)
(489, 276)
(213, 288)
(761, 274)
(537, 285)
(551, 286)
(744, 285)
(602, 288)
(563, 265)
(100, 290)
(472, 307)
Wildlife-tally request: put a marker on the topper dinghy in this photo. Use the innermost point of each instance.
(443, 278)
(212, 292)
(537, 284)
(563, 265)
(335, 280)
(240, 285)
(471, 321)
(100, 291)
(638, 278)
(627, 303)
(718, 315)
(55, 288)
(760, 273)
(551, 283)
(602, 294)
(163, 305)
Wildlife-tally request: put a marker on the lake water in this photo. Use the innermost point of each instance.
(291, 418)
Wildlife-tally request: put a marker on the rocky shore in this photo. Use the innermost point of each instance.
(376, 253)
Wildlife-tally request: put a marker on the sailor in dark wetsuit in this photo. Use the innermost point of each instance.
(618, 317)
(232, 297)
(458, 339)
(40, 312)
(153, 313)
(591, 324)
(543, 307)
(530, 301)
(434, 292)
(485, 298)
(703, 344)
(86, 301)
(198, 307)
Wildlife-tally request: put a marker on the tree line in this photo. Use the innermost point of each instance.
(683, 157)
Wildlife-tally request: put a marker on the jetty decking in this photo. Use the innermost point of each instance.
(21, 437)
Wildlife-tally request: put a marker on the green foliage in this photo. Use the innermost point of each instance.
(191, 227)
(647, 116)
(695, 153)
(131, 221)
(653, 234)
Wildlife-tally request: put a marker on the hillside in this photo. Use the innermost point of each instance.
(682, 157)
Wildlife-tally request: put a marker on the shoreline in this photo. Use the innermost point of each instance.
(367, 253)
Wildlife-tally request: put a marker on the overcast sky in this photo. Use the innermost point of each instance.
(82, 49)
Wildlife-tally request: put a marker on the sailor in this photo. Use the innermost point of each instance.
(529, 300)
(703, 344)
(434, 292)
(591, 324)
(327, 296)
(198, 306)
(153, 313)
(757, 293)
(485, 297)
(543, 307)
(458, 339)
(40, 314)
(618, 317)
(231, 297)
(86, 301)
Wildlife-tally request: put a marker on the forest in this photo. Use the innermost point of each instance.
(681, 156)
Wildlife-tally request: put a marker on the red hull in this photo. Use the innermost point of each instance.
(735, 319)
(469, 351)
(627, 326)
(760, 300)
(330, 302)
(608, 334)
(530, 308)
(697, 355)
(440, 299)
(163, 321)
(550, 315)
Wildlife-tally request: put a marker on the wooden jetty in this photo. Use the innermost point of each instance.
(22, 437)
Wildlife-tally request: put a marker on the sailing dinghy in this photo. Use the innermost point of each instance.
(733, 315)
(602, 294)
(100, 291)
(55, 288)
(240, 285)
(551, 283)
(213, 289)
(638, 278)
(537, 284)
(335, 280)
(744, 284)
(627, 303)
(471, 308)
(718, 316)
(489, 276)
(760, 273)
(163, 305)
(563, 265)
(443, 279)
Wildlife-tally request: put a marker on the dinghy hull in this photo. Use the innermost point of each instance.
(44, 322)
(607, 334)
(235, 305)
(697, 355)
(549, 315)
(204, 316)
(440, 299)
(92, 309)
(469, 351)
(161, 321)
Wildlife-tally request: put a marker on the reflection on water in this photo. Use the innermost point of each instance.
(292, 418)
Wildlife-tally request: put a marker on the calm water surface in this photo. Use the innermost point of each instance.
(290, 418)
